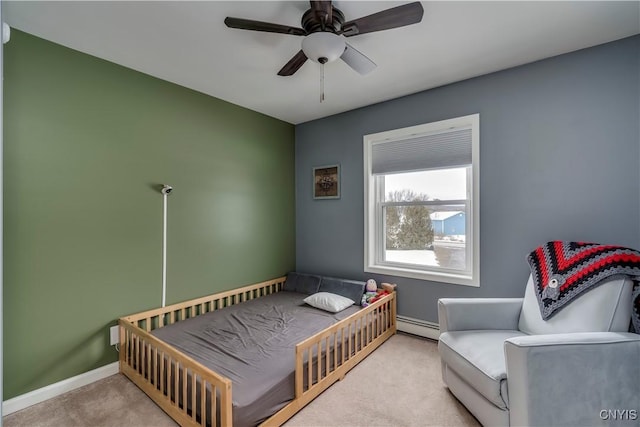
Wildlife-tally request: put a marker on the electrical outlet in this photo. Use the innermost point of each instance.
(114, 333)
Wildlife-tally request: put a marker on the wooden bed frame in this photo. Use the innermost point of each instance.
(159, 369)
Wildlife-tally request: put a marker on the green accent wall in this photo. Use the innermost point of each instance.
(87, 144)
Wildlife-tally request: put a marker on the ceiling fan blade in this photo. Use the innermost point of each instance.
(357, 60)
(391, 18)
(293, 65)
(247, 24)
(323, 8)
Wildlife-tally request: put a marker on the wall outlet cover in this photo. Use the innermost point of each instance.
(114, 333)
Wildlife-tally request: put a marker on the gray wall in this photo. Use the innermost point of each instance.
(559, 151)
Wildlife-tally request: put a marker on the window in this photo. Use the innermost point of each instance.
(421, 201)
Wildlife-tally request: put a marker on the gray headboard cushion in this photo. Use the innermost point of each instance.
(302, 283)
(347, 288)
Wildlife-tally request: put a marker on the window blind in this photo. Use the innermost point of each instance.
(450, 148)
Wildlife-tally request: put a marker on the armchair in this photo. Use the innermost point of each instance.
(511, 368)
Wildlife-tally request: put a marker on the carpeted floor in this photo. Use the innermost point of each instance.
(112, 402)
(397, 385)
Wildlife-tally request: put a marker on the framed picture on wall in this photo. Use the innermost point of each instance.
(326, 182)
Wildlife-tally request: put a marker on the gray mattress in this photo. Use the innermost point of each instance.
(253, 344)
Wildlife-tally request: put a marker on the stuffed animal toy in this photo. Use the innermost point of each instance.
(391, 287)
(372, 286)
(381, 293)
(370, 297)
(371, 289)
(366, 297)
(373, 294)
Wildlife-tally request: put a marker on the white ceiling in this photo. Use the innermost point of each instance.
(186, 42)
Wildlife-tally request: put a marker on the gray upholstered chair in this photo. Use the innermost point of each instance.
(510, 367)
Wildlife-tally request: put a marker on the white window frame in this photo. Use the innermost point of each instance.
(374, 224)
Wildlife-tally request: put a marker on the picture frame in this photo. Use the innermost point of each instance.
(326, 182)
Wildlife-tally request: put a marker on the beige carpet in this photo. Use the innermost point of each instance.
(112, 402)
(398, 385)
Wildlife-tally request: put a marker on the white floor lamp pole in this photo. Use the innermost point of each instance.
(166, 190)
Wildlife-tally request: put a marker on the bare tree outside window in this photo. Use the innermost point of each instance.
(408, 226)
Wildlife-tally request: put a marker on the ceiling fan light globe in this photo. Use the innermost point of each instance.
(323, 47)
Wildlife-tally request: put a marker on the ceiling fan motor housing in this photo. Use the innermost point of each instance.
(314, 20)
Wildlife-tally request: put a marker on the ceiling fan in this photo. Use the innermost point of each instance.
(324, 30)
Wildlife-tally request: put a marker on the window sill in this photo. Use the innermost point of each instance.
(455, 279)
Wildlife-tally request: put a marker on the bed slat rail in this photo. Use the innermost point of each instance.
(350, 337)
(326, 357)
(188, 391)
(159, 317)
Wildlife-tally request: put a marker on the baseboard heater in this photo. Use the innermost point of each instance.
(418, 327)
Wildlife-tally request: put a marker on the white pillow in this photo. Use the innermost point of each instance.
(328, 301)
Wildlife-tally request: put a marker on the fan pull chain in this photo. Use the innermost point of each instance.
(321, 82)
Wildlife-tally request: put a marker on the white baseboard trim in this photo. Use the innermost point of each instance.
(40, 395)
(418, 327)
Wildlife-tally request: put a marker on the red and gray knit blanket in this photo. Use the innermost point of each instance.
(562, 271)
